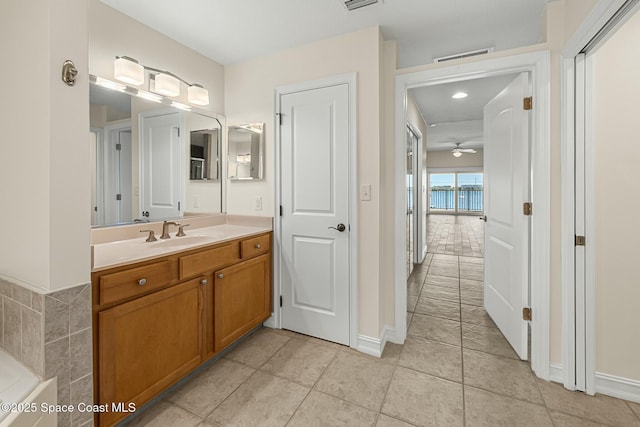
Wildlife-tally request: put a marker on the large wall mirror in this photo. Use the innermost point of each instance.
(246, 152)
(151, 161)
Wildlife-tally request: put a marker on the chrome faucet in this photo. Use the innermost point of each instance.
(165, 228)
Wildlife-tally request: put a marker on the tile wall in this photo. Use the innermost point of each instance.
(51, 335)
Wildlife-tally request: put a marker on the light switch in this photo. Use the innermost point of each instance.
(365, 192)
(259, 203)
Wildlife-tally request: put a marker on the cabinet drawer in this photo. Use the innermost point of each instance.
(128, 283)
(211, 259)
(255, 246)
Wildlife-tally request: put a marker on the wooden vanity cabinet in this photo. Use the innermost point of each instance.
(190, 307)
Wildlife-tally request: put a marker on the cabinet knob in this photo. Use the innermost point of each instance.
(204, 281)
(142, 282)
(258, 246)
(220, 276)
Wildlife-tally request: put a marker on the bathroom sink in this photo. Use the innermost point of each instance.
(184, 241)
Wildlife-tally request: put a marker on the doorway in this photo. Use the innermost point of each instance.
(537, 65)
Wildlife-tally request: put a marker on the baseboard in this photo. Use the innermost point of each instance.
(375, 346)
(621, 388)
(556, 373)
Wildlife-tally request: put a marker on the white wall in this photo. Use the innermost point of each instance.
(44, 167)
(617, 199)
(444, 159)
(249, 97)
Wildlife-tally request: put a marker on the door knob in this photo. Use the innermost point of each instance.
(340, 227)
(483, 218)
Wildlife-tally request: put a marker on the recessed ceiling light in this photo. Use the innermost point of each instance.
(459, 95)
(432, 125)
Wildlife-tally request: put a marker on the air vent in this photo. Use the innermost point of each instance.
(464, 55)
(357, 4)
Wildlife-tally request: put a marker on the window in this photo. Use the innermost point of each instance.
(456, 192)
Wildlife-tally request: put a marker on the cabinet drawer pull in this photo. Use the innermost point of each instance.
(204, 281)
(220, 276)
(258, 246)
(142, 282)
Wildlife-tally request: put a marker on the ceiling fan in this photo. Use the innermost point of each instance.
(457, 152)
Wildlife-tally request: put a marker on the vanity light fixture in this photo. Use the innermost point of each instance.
(166, 84)
(128, 70)
(180, 106)
(149, 96)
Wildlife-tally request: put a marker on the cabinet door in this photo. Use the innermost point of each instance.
(242, 299)
(148, 344)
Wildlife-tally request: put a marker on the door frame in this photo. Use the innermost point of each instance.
(538, 65)
(350, 79)
(578, 187)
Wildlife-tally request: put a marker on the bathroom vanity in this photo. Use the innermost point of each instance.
(158, 318)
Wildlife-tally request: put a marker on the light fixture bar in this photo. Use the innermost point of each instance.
(128, 70)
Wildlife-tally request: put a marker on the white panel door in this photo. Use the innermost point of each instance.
(315, 198)
(161, 186)
(506, 165)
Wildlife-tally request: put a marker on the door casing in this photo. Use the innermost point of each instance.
(538, 64)
(275, 321)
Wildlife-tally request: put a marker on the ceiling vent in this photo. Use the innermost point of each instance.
(464, 55)
(357, 4)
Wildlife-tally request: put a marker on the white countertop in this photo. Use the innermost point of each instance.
(113, 254)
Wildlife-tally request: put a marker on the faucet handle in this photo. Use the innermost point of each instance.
(152, 235)
(180, 232)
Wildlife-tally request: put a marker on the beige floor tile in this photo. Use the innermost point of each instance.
(436, 329)
(489, 340)
(471, 271)
(471, 260)
(483, 408)
(324, 343)
(433, 358)
(438, 308)
(501, 375)
(599, 408)
(564, 420)
(412, 300)
(476, 315)
(442, 281)
(391, 353)
(216, 382)
(258, 348)
(286, 333)
(414, 288)
(471, 285)
(349, 377)
(445, 258)
(409, 317)
(472, 297)
(264, 400)
(444, 269)
(443, 293)
(428, 259)
(319, 409)
(635, 407)
(164, 414)
(146, 414)
(387, 421)
(423, 400)
(300, 361)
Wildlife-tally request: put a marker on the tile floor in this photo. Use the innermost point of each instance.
(455, 369)
(455, 234)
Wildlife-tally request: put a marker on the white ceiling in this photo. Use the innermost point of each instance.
(230, 31)
(457, 120)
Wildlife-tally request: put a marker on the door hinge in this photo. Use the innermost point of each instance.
(280, 210)
(280, 300)
(178, 132)
(527, 208)
(178, 206)
(526, 313)
(118, 196)
(118, 147)
(279, 115)
(580, 241)
(527, 103)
